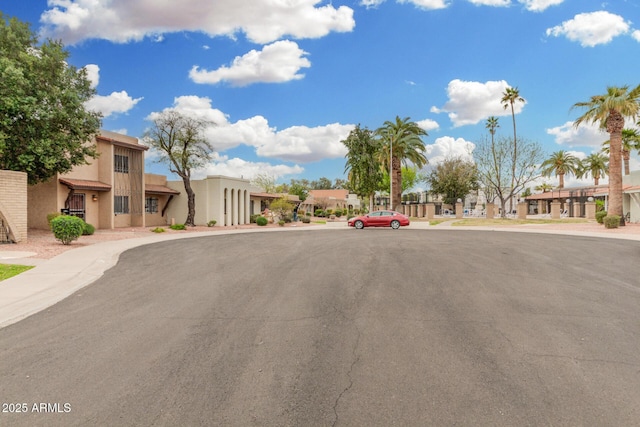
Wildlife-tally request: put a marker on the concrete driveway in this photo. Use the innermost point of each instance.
(339, 327)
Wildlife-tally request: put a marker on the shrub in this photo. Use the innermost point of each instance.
(318, 212)
(307, 214)
(301, 212)
(287, 218)
(306, 220)
(338, 213)
(211, 223)
(88, 229)
(158, 230)
(611, 221)
(67, 228)
(329, 211)
(261, 221)
(178, 227)
(600, 216)
(281, 223)
(51, 216)
(252, 218)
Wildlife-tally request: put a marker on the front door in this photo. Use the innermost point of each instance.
(77, 206)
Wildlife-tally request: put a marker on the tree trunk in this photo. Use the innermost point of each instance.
(191, 202)
(396, 179)
(615, 124)
(561, 180)
(625, 156)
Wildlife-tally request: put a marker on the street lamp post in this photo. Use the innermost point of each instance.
(391, 173)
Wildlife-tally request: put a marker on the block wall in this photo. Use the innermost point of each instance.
(13, 203)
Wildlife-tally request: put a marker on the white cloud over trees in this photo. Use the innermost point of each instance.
(275, 63)
(591, 29)
(296, 144)
(471, 102)
(262, 22)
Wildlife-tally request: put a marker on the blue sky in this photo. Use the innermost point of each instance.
(285, 81)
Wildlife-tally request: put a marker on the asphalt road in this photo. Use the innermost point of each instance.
(370, 327)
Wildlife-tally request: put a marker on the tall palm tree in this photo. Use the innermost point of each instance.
(609, 112)
(510, 96)
(595, 165)
(400, 143)
(630, 142)
(492, 125)
(560, 163)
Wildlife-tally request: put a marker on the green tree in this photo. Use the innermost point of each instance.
(45, 127)
(544, 187)
(454, 179)
(560, 163)
(609, 112)
(401, 143)
(265, 181)
(362, 166)
(181, 144)
(509, 97)
(410, 178)
(595, 165)
(321, 183)
(630, 142)
(298, 190)
(282, 207)
(496, 171)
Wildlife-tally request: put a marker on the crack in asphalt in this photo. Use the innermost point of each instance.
(355, 360)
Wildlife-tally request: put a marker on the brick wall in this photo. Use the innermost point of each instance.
(13, 203)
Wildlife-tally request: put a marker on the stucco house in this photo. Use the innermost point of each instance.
(111, 191)
(630, 195)
(330, 199)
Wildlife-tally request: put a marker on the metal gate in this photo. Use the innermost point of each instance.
(77, 205)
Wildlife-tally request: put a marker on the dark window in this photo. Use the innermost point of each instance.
(121, 163)
(151, 205)
(121, 204)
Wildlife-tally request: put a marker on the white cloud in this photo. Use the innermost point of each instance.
(449, 147)
(588, 135)
(122, 21)
(297, 143)
(636, 35)
(117, 102)
(428, 124)
(496, 3)
(427, 4)
(93, 74)
(539, 5)
(471, 102)
(371, 3)
(239, 168)
(591, 29)
(275, 63)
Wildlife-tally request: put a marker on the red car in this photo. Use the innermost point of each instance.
(380, 219)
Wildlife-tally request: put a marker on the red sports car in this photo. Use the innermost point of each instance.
(380, 219)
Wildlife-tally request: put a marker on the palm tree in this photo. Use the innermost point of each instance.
(362, 166)
(595, 165)
(492, 125)
(544, 187)
(609, 111)
(400, 143)
(560, 163)
(509, 98)
(630, 142)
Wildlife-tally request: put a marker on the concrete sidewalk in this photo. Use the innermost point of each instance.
(55, 279)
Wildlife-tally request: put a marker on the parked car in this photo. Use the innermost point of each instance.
(380, 219)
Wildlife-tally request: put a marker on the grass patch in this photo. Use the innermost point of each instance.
(10, 270)
(437, 221)
(509, 221)
(319, 222)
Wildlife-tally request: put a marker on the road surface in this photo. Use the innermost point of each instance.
(370, 327)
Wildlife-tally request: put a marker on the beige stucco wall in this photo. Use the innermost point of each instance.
(156, 219)
(42, 200)
(211, 194)
(13, 203)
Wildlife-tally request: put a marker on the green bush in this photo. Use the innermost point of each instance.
(51, 216)
(67, 228)
(88, 229)
(158, 230)
(281, 223)
(600, 216)
(261, 221)
(306, 220)
(211, 223)
(611, 221)
(178, 227)
(338, 213)
(287, 218)
(252, 218)
(307, 214)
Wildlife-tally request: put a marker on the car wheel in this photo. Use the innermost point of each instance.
(359, 225)
(395, 224)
